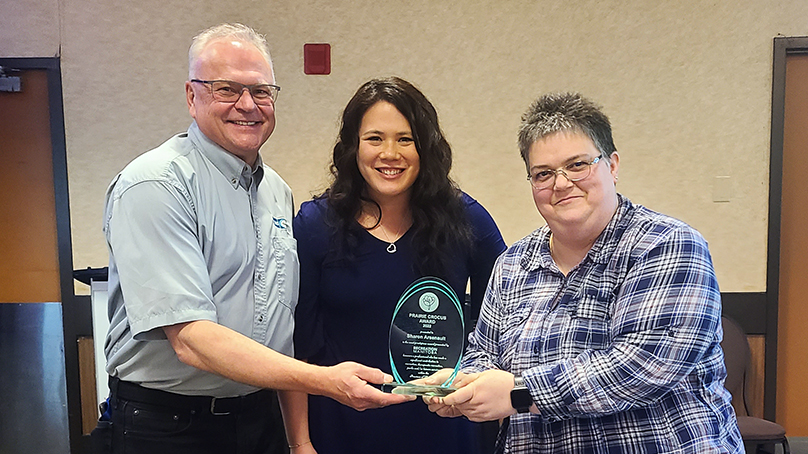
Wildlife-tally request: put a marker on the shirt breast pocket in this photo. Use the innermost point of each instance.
(287, 265)
(590, 321)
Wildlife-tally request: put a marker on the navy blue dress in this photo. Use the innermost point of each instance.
(344, 314)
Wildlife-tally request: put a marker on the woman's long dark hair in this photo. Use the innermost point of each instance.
(439, 220)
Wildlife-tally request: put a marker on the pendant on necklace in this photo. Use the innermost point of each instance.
(391, 248)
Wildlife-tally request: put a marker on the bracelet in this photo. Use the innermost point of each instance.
(299, 444)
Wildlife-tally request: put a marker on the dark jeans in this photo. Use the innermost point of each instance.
(145, 421)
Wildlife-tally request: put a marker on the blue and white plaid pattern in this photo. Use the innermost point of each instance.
(622, 355)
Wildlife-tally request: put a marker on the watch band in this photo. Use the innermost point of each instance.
(521, 399)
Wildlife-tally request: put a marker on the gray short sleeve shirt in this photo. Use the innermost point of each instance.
(194, 233)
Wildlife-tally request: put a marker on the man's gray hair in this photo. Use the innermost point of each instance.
(565, 112)
(233, 31)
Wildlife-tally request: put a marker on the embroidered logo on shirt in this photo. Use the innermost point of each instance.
(280, 223)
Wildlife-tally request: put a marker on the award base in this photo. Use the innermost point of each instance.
(417, 390)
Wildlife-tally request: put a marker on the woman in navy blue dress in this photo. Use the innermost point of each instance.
(390, 216)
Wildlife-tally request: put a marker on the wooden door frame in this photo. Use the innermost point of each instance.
(76, 316)
(783, 47)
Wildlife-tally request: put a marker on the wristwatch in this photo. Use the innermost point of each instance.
(521, 399)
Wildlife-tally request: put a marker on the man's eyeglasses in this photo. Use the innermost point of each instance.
(574, 171)
(230, 92)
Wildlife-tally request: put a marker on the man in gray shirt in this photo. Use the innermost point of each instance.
(203, 278)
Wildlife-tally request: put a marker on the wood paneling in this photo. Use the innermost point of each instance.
(756, 379)
(89, 407)
(29, 266)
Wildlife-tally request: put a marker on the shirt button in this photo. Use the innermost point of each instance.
(261, 318)
(234, 181)
(260, 276)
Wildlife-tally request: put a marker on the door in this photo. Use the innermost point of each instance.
(792, 348)
(34, 390)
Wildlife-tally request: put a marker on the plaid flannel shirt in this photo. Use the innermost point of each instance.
(622, 355)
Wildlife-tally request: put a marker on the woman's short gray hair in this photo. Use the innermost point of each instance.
(556, 112)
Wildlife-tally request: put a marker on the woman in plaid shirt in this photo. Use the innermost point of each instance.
(600, 331)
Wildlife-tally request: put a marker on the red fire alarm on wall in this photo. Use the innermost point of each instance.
(317, 58)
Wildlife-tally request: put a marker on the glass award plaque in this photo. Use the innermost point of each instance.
(426, 335)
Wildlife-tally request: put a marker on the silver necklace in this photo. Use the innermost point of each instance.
(391, 247)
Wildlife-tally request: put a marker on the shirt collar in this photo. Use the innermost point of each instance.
(237, 172)
(605, 245)
(537, 253)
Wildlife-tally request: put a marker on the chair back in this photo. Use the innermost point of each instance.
(736, 357)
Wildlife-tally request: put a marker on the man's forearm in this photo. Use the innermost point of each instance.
(217, 349)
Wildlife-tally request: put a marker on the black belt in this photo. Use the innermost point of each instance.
(218, 406)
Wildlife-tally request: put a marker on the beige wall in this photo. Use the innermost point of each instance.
(687, 85)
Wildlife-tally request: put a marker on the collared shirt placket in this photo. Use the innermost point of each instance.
(261, 288)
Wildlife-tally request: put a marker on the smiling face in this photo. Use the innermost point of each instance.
(387, 158)
(241, 127)
(583, 208)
